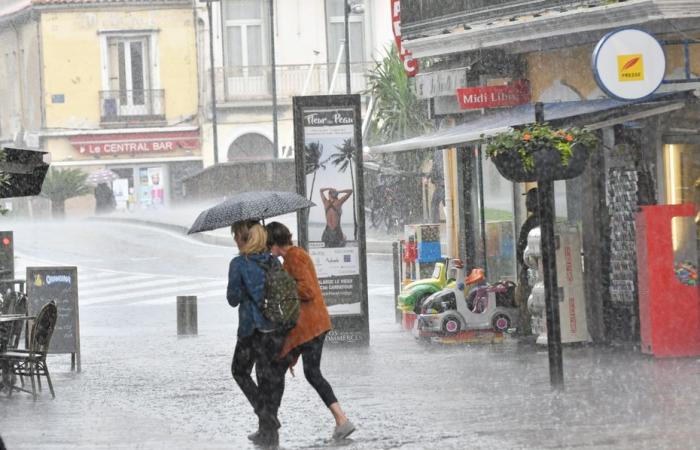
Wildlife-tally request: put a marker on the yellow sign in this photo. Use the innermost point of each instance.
(37, 281)
(630, 67)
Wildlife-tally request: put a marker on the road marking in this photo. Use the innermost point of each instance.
(181, 289)
(103, 287)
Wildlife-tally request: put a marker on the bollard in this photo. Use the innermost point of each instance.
(186, 315)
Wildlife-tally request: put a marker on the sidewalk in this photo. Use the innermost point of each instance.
(180, 219)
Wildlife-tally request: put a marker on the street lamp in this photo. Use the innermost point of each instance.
(355, 8)
(215, 136)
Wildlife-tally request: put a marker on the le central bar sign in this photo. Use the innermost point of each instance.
(478, 97)
(111, 144)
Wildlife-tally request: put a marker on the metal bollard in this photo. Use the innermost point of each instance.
(186, 315)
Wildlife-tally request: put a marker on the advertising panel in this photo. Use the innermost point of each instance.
(329, 173)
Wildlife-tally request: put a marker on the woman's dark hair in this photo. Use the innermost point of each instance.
(278, 234)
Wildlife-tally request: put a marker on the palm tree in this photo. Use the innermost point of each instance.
(398, 114)
(60, 185)
(342, 160)
(312, 161)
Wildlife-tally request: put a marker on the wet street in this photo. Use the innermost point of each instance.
(142, 387)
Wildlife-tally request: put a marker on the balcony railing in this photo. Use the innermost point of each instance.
(135, 105)
(423, 15)
(255, 82)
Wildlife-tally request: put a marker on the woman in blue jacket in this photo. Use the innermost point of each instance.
(259, 340)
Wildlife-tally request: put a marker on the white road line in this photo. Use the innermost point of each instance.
(220, 293)
(87, 281)
(104, 287)
(181, 289)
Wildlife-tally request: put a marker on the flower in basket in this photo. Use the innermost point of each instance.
(527, 140)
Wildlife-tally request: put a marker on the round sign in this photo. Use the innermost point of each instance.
(629, 64)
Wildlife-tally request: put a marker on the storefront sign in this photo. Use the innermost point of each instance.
(438, 84)
(513, 94)
(409, 63)
(111, 144)
(629, 64)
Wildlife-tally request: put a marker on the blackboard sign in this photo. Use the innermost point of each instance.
(59, 284)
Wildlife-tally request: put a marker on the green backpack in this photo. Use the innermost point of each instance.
(280, 303)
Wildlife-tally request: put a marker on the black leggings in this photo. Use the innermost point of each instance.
(261, 349)
(311, 354)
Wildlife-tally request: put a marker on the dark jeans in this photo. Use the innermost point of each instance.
(311, 354)
(261, 350)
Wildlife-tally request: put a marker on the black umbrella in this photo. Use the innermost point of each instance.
(255, 205)
(25, 169)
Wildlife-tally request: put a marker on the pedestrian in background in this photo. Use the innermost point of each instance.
(524, 289)
(308, 335)
(259, 340)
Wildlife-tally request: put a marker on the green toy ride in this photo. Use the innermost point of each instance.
(413, 294)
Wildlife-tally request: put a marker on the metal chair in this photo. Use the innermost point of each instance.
(32, 362)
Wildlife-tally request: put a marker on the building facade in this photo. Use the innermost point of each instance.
(105, 85)
(651, 148)
(309, 57)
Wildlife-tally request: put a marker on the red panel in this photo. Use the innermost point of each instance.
(669, 310)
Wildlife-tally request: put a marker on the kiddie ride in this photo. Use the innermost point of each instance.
(483, 314)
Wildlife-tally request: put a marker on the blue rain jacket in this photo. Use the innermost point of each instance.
(246, 282)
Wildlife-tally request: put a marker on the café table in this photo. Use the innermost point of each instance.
(4, 368)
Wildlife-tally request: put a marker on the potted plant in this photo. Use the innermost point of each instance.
(539, 152)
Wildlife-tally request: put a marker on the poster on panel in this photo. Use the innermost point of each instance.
(327, 131)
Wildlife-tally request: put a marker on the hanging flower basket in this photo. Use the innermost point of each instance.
(541, 153)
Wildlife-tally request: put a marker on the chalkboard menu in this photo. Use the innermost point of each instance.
(59, 284)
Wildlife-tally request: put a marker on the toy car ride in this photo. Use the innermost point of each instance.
(484, 307)
(413, 294)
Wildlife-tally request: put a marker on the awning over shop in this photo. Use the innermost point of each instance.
(592, 114)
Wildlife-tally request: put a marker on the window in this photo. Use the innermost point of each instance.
(336, 33)
(244, 28)
(130, 78)
(128, 69)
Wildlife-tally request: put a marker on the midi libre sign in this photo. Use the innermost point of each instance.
(479, 97)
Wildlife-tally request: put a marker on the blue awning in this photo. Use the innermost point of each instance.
(592, 114)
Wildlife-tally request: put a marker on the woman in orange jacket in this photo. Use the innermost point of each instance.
(307, 337)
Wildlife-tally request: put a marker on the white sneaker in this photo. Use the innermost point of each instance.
(343, 430)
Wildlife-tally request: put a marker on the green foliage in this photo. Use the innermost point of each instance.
(60, 185)
(398, 113)
(527, 140)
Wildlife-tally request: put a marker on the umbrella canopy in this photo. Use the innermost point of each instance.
(101, 176)
(25, 170)
(254, 205)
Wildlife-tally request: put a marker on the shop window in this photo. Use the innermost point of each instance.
(682, 174)
(336, 34)
(250, 146)
(499, 227)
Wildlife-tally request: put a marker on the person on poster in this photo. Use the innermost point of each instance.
(308, 335)
(333, 201)
(259, 340)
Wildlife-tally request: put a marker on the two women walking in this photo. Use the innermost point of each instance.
(270, 349)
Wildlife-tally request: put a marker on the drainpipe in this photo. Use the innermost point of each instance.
(18, 52)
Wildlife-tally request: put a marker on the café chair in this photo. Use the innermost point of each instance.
(32, 361)
(14, 331)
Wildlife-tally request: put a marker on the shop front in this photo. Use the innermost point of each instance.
(148, 165)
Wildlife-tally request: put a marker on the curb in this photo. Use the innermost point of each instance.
(377, 247)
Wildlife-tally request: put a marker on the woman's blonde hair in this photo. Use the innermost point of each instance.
(253, 236)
